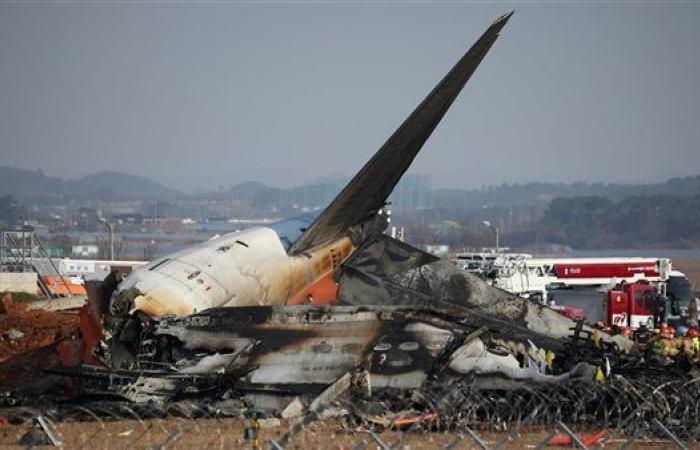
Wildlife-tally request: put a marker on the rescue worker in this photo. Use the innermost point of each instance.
(642, 335)
(684, 344)
(626, 332)
(655, 344)
(666, 344)
(663, 309)
(694, 336)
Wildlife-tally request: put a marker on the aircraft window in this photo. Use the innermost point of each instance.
(242, 243)
(193, 274)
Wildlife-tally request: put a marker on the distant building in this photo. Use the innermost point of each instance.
(437, 249)
(87, 219)
(85, 251)
(413, 192)
(127, 218)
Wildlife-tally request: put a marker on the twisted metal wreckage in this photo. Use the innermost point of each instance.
(317, 310)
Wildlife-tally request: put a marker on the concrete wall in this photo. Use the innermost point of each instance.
(18, 282)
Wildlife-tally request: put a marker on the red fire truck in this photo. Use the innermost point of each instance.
(631, 304)
(634, 304)
(626, 305)
(625, 291)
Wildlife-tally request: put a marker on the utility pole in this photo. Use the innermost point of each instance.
(111, 237)
(494, 229)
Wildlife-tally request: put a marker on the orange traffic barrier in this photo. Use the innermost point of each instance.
(398, 423)
(564, 440)
(63, 286)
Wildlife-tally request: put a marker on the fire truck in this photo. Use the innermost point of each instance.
(622, 291)
(535, 276)
(631, 305)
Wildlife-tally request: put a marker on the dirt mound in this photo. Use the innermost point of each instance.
(28, 339)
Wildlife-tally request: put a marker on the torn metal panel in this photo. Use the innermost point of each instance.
(375, 275)
(301, 349)
(311, 345)
(474, 358)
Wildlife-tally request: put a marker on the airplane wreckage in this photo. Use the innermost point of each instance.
(271, 314)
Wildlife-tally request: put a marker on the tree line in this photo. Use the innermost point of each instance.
(635, 221)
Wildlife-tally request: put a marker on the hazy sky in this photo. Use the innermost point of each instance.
(199, 95)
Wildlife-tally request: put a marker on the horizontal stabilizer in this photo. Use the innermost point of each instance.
(368, 191)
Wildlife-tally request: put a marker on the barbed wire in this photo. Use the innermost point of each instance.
(455, 411)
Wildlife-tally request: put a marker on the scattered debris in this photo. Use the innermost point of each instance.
(564, 440)
(293, 410)
(270, 422)
(40, 434)
(12, 334)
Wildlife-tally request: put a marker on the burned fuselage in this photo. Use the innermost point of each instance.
(245, 268)
(302, 349)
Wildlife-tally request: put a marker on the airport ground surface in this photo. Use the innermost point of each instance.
(175, 433)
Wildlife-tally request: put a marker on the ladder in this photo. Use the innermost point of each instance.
(15, 253)
(44, 255)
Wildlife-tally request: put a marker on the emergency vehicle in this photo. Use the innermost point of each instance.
(625, 291)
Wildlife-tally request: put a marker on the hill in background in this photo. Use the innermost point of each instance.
(35, 187)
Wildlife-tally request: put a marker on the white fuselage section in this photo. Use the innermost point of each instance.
(245, 268)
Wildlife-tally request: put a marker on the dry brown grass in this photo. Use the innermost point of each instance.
(228, 434)
(691, 268)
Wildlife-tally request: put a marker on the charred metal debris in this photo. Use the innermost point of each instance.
(422, 358)
(396, 366)
(376, 368)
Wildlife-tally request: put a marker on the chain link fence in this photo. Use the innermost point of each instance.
(622, 412)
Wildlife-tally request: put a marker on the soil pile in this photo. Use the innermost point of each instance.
(28, 340)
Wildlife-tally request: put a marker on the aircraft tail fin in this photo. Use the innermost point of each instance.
(368, 191)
